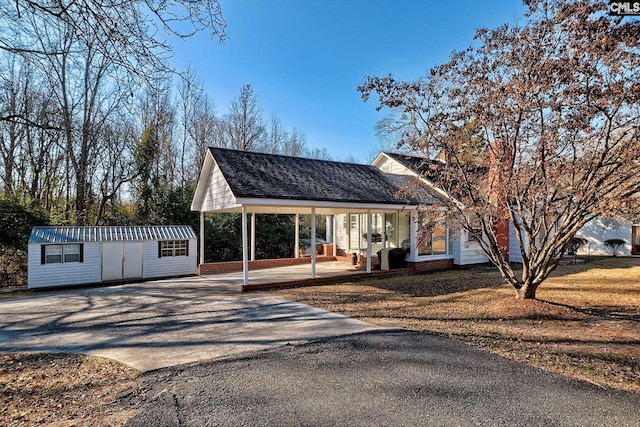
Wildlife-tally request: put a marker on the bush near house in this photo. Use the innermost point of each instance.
(16, 222)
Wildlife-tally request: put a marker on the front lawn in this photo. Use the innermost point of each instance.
(585, 323)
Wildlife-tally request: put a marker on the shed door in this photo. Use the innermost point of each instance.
(121, 261)
(112, 254)
(132, 261)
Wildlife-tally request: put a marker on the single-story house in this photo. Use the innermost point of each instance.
(366, 206)
(64, 255)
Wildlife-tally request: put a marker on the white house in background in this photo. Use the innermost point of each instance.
(65, 256)
(466, 251)
(599, 230)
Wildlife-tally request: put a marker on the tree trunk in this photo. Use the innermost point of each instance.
(527, 291)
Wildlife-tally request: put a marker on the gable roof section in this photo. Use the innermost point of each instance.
(69, 234)
(419, 165)
(253, 175)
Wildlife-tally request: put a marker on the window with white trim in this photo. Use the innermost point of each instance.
(173, 248)
(432, 238)
(61, 254)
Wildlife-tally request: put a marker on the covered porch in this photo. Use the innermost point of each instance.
(253, 184)
(330, 259)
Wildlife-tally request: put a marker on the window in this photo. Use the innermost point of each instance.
(404, 231)
(61, 254)
(53, 254)
(432, 239)
(71, 253)
(172, 248)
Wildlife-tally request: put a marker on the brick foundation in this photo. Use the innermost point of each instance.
(440, 264)
(416, 267)
(235, 266)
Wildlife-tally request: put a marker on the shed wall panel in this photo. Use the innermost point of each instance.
(50, 275)
(168, 266)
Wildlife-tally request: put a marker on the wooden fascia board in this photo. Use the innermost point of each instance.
(203, 181)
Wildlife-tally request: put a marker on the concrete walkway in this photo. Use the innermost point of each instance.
(324, 270)
(164, 323)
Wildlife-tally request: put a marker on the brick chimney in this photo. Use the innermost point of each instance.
(498, 168)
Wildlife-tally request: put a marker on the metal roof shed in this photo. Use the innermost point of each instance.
(65, 256)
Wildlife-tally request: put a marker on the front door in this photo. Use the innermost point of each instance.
(635, 240)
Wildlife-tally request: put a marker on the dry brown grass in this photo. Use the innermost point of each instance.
(63, 390)
(585, 323)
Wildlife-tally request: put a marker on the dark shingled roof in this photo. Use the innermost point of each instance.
(419, 165)
(269, 176)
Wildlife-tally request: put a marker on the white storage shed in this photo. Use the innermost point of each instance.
(64, 256)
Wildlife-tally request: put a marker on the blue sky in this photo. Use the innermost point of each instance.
(306, 58)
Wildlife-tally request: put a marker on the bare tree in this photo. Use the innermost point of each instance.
(189, 95)
(296, 144)
(319, 153)
(275, 135)
(204, 131)
(116, 166)
(245, 126)
(133, 27)
(551, 112)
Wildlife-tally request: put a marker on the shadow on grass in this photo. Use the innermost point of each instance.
(612, 312)
(434, 284)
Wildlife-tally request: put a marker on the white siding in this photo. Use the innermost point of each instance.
(514, 248)
(342, 233)
(153, 266)
(217, 194)
(49, 275)
(466, 252)
(388, 165)
(598, 230)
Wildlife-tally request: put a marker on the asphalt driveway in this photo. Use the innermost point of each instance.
(163, 323)
(378, 378)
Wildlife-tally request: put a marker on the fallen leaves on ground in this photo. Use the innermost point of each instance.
(63, 390)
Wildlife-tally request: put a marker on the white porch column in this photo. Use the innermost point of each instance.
(313, 243)
(201, 237)
(297, 237)
(245, 249)
(335, 235)
(396, 227)
(384, 229)
(253, 236)
(368, 240)
(413, 235)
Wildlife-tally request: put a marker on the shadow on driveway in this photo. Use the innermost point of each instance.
(156, 324)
